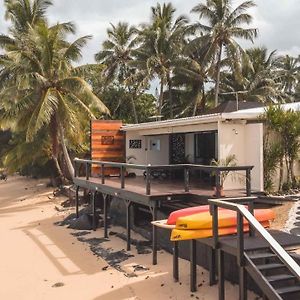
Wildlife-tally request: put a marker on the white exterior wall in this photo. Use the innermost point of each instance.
(245, 141)
(231, 140)
(158, 157)
(145, 155)
(254, 154)
(190, 146)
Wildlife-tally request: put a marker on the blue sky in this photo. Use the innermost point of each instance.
(277, 20)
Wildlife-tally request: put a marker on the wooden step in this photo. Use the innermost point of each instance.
(280, 277)
(288, 290)
(272, 266)
(261, 255)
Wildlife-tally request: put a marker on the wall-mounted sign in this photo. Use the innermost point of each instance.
(135, 144)
(107, 140)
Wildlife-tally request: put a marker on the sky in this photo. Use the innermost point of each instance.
(278, 21)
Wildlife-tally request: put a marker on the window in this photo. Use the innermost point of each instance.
(135, 144)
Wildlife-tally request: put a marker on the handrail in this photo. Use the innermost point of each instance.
(148, 168)
(287, 260)
(174, 166)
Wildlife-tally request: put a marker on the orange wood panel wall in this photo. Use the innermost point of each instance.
(107, 144)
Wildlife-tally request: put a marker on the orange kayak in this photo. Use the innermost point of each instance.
(226, 218)
(182, 235)
(187, 212)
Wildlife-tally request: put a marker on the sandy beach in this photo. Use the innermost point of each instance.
(40, 260)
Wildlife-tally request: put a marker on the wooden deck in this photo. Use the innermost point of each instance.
(165, 187)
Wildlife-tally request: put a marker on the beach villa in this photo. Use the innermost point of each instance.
(226, 131)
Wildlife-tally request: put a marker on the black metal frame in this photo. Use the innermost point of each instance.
(244, 263)
(216, 170)
(151, 201)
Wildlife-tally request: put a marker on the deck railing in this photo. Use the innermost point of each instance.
(243, 212)
(216, 170)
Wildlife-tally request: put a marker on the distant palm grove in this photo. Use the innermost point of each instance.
(47, 99)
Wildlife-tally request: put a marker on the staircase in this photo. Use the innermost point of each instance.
(273, 277)
(271, 267)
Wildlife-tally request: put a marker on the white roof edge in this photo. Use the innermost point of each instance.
(173, 122)
(244, 114)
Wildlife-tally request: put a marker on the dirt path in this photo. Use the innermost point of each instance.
(42, 261)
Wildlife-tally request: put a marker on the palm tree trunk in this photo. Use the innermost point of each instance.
(197, 99)
(55, 146)
(217, 86)
(170, 96)
(136, 119)
(66, 153)
(161, 96)
(280, 173)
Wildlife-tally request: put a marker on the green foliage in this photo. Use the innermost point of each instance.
(118, 101)
(273, 153)
(229, 161)
(286, 125)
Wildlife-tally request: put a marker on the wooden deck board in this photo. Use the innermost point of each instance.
(162, 187)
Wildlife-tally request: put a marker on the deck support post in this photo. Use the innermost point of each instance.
(221, 279)
(128, 224)
(193, 266)
(212, 260)
(94, 209)
(153, 209)
(77, 201)
(105, 224)
(242, 284)
(212, 267)
(175, 262)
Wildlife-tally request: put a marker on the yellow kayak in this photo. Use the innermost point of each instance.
(226, 218)
(182, 235)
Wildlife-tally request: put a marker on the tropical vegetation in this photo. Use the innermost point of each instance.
(167, 67)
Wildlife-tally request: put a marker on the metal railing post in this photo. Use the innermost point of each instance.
(240, 239)
(122, 169)
(186, 179)
(218, 184)
(148, 181)
(248, 182)
(214, 212)
(87, 172)
(102, 174)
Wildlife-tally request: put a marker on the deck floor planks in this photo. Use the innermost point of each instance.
(162, 187)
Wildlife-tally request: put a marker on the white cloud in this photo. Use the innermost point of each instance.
(278, 20)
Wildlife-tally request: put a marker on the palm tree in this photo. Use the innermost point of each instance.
(162, 42)
(223, 26)
(44, 89)
(288, 68)
(258, 78)
(25, 13)
(116, 54)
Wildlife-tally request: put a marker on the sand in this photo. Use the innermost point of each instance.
(40, 260)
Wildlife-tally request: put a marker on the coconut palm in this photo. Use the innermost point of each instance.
(116, 54)
(258, 78)
(44, 89)
(222, 28)
(288, 68)
(162, 43)
(25, 13)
